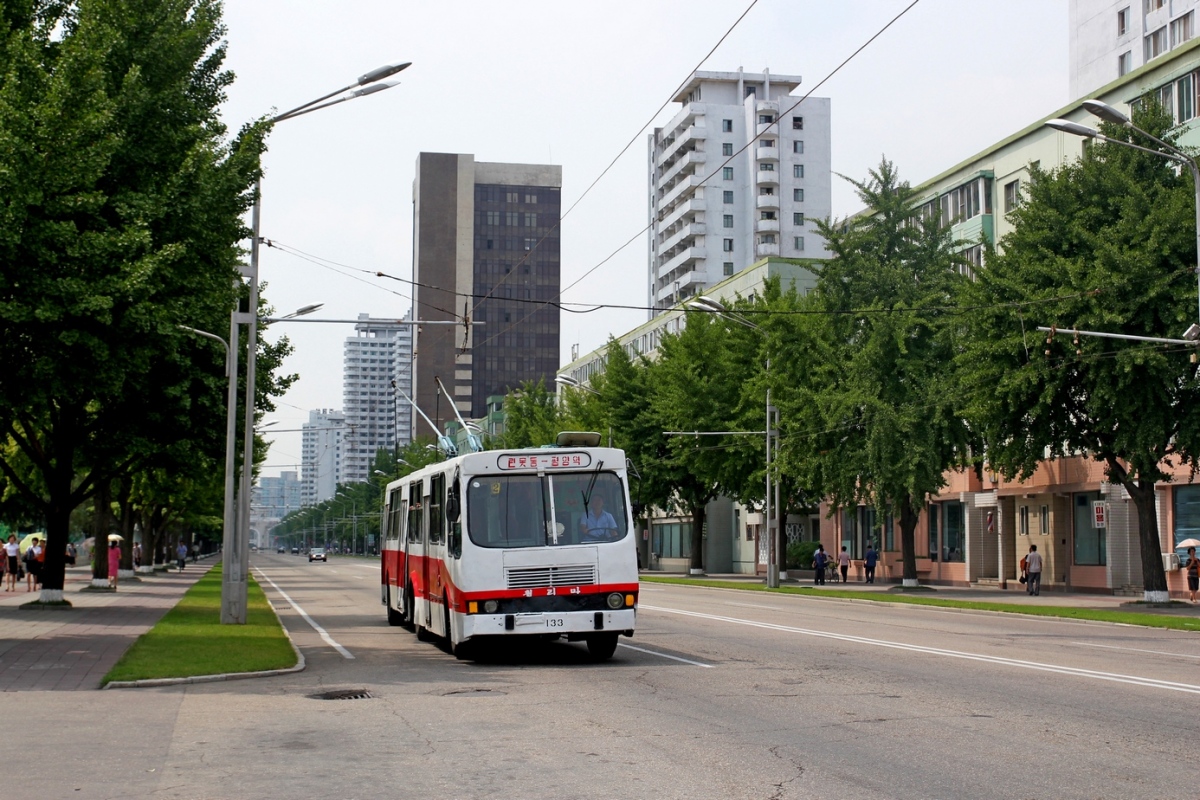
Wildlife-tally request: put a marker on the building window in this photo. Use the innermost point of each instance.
(728, 196)
(1187, 514)
(1185, 98)
(1181, 29)
(493, 217)
(727, 173)
(931, 517)
(797, 123)
(766, 142)
(531, 199)
(531, 220)
(766, 238)
(766, 119)
(751, 91)
(728, 220)
(974, 261)
(766, 166)
(1123, 21)
(726, 126)
(764, 191)
(511, 197)
(671, 540)
(1012, 195)
(798, 146)
(511, 219)
(1125, 63)
(726, 149)
(798, 243)
(798, 195)
(797, 170)
(797, 217)
(1023, 520)
(727, 267)
(952, 531)
(1155, 44)
(766, 215)
(727, 245)
(1090, 545)
(1044, 521)
(1154, 5)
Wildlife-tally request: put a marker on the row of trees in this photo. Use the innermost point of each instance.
(907, 361)
(121, 207)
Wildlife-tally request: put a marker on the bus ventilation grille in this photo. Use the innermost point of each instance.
(535, 577)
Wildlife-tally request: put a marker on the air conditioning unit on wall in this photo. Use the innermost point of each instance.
(1170, 561)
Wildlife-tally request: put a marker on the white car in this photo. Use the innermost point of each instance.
(317, 554)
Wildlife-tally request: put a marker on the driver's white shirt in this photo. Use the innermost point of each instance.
(599, 527)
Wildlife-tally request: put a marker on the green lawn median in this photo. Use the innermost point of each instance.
(1150, 620)
(190, 640)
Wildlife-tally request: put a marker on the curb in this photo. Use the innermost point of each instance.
(224, 676)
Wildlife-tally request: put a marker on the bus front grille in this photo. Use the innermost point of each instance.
(536, 577)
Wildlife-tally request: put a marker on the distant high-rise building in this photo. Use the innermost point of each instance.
(721, 199)
(377, 363)
(272, 499)
(485, 248)
(323, 440)
(1110, 38)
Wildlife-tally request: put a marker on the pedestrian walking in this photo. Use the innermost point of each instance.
(820, 560)
(844, 564)
(869, 561)
(12, 563)
(195, 551)
(181, 553)
(1193, 572)
(33, 575)
(114, 563)
(1033, 567)
(137, 554)
(71, 554)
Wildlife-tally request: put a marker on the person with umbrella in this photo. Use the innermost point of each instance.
(1193, 572)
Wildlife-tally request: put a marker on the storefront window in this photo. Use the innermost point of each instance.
(934, 512)
(672, 539)
(952, 536)
(1090, 545)
(1187, 513)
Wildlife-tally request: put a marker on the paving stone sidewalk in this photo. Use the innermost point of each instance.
(73, 649)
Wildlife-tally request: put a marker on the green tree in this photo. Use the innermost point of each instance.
(531, 417)
(1105, 243)
(121, 218)
(872, 413)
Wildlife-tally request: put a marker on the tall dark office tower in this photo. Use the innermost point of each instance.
(485, 247)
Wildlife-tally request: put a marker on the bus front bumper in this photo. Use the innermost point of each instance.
(549, 622)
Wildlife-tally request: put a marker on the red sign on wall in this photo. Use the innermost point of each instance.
(1099, 514)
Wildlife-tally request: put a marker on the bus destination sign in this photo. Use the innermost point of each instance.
(543, 462)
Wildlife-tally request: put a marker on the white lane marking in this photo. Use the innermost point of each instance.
(358, 577)
(1135, 649)
(324, 634)
(1135, 680)
(755, 605)
(664, 655)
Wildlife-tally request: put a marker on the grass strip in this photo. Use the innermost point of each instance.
(1149, 620)
(190, 640)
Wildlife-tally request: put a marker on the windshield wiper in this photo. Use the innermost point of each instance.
(587, 496)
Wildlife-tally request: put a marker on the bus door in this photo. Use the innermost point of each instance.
(435, 549)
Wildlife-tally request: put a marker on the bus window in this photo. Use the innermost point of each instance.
(414, 512)
(437, 499)
(589, 518)
(506, 511)
(395, 521)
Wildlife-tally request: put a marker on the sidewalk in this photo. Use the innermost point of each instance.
(1014, 594)
(73, 649)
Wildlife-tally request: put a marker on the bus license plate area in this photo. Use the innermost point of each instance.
(547, 622)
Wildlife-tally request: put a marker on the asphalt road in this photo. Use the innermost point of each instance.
(721, 694)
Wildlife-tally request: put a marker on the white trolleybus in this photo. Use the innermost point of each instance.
(534, 542)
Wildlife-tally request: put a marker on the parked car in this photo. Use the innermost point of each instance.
(317, 554)
(295, 551)
(281, 549)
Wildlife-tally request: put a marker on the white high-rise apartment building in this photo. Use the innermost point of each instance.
(737, 176)
(1110, 38)
(377, 362)
(323, 439)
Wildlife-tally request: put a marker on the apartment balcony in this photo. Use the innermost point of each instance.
(766, 250)
(685, 165)
(766, 226)
(768, 177)
(765, 153)
(685, 256)
(767, 127)
(686, 232)
(681, 190)
(686, 138)
(767, 201)
(686, 280)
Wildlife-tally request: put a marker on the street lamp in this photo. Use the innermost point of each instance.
(237, 546)
(1109, 114)
(709, 305)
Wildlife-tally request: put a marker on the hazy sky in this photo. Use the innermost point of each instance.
(571, 83)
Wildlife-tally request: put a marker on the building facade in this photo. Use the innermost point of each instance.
(376, 377)
(272, 499)
(738, 175)
(486, 251)
(1111, 38)
(322, 447)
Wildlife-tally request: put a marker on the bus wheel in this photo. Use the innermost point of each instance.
(394, 616)
(601, 646)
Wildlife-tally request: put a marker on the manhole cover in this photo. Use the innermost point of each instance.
(342, 694)
(473, 693)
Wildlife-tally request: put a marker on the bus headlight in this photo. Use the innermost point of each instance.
(491, 606)
(615, 601)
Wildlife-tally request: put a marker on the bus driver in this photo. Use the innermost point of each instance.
(597, 524)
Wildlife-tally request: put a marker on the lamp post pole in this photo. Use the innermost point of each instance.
(237, 552)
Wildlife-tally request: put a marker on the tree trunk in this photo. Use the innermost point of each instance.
(101, 525)
(1154, 578)
(697, 561)
(908, 548)
(124, 489)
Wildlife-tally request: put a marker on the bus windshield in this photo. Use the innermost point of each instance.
(560, 509)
